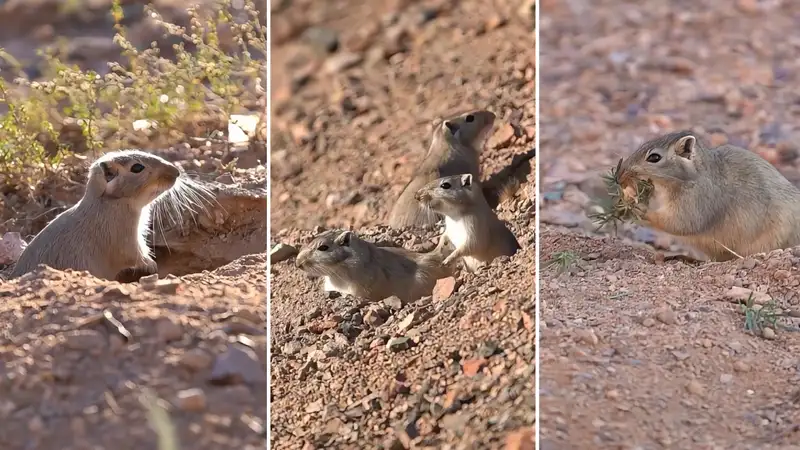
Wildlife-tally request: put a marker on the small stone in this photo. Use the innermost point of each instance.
(455, 422)
(666, 316)
(341, 62)
(168, 287)
(148, 279)
(586, 336)
(291, 347)
(649, 322)
(471, 367)
(408, 321)
(502, 137)
(314, 407)
(725, 378)
(444, 289)
(613, 394)
(768, 333)
(494, 22)
(399, 344)
(741, 294)
(249, 315)
(36, 424)
(394, 303)
(521, 439)
(322, 39)
(236, 365)
(376, 317)
(781, 274)
(281, 252)
(193, 400)
(196, 360)
(169, 331)
(488, 349)
(747, 264)
(85, 340)
(694, 387)
(741, 366)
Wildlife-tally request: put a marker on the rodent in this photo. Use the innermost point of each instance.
(351, 265)
(721, 200)
(455, 148)
(105, 232)
(475, 231)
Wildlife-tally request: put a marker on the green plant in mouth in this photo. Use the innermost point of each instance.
(756, 319)
(562, 261)
(620, 207)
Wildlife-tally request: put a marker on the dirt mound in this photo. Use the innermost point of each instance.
(78, 352)
(355, 90)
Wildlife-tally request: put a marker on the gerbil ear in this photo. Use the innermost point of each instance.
(344, 238)
(466, 180)
(685, 147)
(452, 126)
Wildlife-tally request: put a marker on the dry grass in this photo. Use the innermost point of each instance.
(622, 206)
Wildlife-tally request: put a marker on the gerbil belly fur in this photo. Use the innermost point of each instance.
(456, 231)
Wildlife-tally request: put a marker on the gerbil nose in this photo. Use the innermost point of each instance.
(421, 196)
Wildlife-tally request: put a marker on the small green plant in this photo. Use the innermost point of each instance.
(159, 420)
(562, 261)
(619, 207)
(216, 69)
(757, 318)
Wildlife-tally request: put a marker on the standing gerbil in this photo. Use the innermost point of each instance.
(470, 224)
(725, 201)
(351, 265)
(455, 148)
(104, 233)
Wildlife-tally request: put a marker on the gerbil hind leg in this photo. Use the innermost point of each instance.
(457, 253)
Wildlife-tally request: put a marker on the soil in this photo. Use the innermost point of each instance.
(640, 350)
(355, 90)
(72, 377)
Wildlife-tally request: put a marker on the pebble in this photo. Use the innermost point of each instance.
(341, 62)
(471, 367)
(666, 316)
(586, 336)
(694, 387)
(196, 360)
(768, 333)
(394, 303)
(291, 347)
(739, 294)
(741, 366)
(399, 344)
(649, 322)
(193, 400)
(613, 394)
(236, 365)
(408, 321)
(444, 289)
(169, 331)
(322, 39)
(281, 252)
(725, 378)
(376, 317)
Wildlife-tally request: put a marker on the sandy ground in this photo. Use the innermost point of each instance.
(636, 351)
(77, 353)
(356, 87)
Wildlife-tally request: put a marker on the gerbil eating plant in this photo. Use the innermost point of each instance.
(626, 203)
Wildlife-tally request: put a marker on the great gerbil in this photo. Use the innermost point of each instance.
(724, 201)
(104, 233)
(470, 224)
(351, 265)
(455, 148)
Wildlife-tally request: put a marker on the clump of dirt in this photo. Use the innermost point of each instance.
(355, 92)
(639, 350)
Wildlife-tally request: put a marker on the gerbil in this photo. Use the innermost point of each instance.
(351, 265)
(455, 148)
(470, 224)
(104, 233)
(725, 201)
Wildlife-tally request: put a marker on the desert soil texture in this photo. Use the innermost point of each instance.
(640, 349)
(356, 87)
(84, 361)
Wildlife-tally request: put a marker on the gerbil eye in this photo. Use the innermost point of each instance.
(445, 185)
(136, 168)
(653, 158)
(323, 248)
(470, 118)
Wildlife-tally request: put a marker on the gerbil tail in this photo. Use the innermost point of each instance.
(504, 184)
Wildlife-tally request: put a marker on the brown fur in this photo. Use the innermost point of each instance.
(362, 269)
(455, 149)
(470, 224)
(715, 198)
(104, 233)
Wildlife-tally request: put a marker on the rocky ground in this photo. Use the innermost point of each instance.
(78, 354)
(639, 350)
(355, 88)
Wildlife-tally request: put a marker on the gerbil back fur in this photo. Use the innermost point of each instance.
(455, 149)
(360, 268)
(104, 233)
(725, 201)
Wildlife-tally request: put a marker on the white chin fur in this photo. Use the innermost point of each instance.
(456, 232)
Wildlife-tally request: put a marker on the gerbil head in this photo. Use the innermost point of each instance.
(668, 159)
(470, 129)
(329, 252)
(132, 176)
(448, 195)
